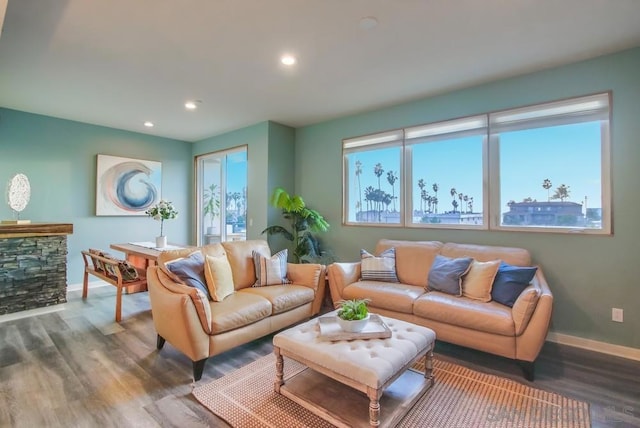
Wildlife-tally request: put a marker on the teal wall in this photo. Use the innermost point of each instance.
(587, 274)
(59, 157)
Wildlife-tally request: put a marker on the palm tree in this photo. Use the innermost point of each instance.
(466, 201)
(434, 201)
(422, 195)
(423, 198)
(391, 178)
(461, 197)
(453, 195)
(471, 204)
(546, 184)
(435, 188)
(358, 172)
(378, 171)
(562, 193)
(369, 197)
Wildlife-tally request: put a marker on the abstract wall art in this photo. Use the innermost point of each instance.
(126, 186)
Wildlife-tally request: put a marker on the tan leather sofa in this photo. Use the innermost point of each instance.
(516, 333)
(200, 328)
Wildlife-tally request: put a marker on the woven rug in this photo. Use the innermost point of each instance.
(460, 398)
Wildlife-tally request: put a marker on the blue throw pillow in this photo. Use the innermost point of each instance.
(510, 282)
(190, 270)
(446, 274)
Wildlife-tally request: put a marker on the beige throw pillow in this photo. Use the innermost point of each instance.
(476, 284)
(217, 272)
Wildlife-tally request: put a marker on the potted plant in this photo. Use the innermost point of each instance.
(304, 222)
(211, 206)
(353, 315)
(163, 210)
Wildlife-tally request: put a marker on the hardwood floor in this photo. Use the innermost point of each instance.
(78, 368)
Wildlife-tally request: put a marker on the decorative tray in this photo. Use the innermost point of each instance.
(330, 330)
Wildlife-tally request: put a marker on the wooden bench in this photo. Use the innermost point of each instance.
(91, 260)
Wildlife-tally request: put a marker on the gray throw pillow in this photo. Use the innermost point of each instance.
(446, 274)
(190, 270)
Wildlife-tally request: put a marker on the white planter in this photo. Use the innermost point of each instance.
(355, 326)
(161, 241)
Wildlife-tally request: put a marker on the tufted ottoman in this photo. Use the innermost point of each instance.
(378, 367)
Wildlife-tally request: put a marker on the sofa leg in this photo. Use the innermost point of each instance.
(160, 342)
(198, 368)
(527, 369)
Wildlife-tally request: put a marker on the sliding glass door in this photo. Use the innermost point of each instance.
(221, 186)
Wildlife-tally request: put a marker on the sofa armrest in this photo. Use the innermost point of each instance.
(310, 275)
(168, 297)
(340, 275)
(534, 332)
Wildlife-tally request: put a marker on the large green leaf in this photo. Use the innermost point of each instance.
(278, 230)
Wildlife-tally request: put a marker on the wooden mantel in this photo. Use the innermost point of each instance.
(35, 229)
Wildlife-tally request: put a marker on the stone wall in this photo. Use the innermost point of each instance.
(33, 272)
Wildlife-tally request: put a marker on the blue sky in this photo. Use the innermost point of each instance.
(567, 154)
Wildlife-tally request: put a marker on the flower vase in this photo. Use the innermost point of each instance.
(161, 241)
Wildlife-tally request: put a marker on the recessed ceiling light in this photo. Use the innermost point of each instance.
(288, 59)
(148, 124)
(192, 105)
(368, 22)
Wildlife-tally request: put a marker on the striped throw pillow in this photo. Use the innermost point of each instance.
(381, 268)
(271, 270)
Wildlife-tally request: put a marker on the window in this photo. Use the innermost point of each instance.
(447, 171)
(222, 196)
(537, 168)
(372, 166)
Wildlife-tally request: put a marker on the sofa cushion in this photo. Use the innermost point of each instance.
(239, 255)
(385, 295)
(238, 310)
(476, 284)
(270, 270)
(413, 259)
(523, 309)
(283, 297)
(484, 253)
(381, 268)
(510, 281)
(489, 317)
(217, 272)
(189, 271)
(446, 274)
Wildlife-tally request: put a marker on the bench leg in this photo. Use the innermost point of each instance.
(428, 366)
(119, 304)
(85, 285)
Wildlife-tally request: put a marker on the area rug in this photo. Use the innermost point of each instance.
(460, 398)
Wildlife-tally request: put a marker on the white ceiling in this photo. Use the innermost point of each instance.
(120, 62)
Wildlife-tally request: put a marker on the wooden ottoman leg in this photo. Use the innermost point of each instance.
(374, 407)
(428, 366)
(279, 370)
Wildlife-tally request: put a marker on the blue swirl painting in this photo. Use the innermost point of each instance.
(126, 186)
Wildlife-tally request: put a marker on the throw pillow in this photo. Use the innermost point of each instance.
(97, 264)
(126, 269)
(217, 272)
(510, 282)
(190, 271)
(476, 284)
(271, 270)
(381, 268)
(446, 274)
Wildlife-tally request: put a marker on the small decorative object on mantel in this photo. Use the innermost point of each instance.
(163, 210)
(353, 315)
(18, 195)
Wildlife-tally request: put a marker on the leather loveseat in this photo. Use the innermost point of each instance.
(201, 328)
(516, 332)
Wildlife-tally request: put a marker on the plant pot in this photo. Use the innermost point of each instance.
(353, 326)
(161, 241)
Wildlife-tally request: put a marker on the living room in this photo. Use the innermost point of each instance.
(588, 274)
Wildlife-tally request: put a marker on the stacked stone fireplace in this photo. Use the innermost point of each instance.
(33, 266)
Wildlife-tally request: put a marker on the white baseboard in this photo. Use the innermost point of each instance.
(594, 345)
(32, 312)
(92, 284)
